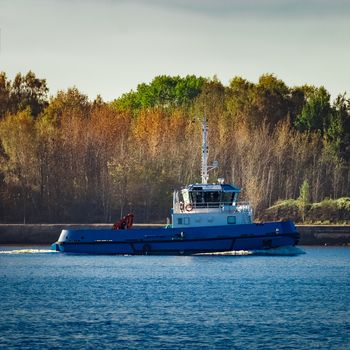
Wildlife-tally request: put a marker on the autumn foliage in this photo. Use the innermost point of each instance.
(69, 159)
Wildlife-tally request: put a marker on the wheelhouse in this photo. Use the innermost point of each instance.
(200, 205)
(210, 196)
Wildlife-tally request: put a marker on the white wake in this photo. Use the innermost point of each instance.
(280, 251)
(27, 251)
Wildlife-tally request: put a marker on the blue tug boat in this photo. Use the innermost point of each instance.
(206, 218)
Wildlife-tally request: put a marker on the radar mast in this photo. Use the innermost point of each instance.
(205, 167)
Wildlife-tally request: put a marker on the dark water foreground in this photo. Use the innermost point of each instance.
(49, 233)
(51, 301)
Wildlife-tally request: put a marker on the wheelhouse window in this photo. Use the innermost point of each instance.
(212, 199)
(227, 198)
(185, 196)
(203, 199)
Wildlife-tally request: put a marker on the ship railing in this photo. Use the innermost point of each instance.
(244, 206)
(228, 207)
(239, 207)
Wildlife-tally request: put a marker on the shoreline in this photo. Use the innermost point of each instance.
(12, 234)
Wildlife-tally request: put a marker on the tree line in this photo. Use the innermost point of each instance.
(66, 158)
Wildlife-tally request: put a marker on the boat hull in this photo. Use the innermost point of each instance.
(176, 241)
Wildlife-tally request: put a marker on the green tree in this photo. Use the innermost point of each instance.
(67, 104)
(5, 88)
(268, 101)
(271, 100)
(304, 198)
(239, 99)
(20, 162)
(28, 91)
(297, 102)
(338, 131)
(163, 91)
(316, 113)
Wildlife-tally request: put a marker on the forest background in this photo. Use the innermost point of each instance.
(68, 159)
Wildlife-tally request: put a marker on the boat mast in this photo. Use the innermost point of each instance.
(205, 175)
(205, 167)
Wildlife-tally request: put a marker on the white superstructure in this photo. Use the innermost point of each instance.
(209, 204)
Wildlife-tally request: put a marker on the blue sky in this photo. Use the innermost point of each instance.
(107, 47)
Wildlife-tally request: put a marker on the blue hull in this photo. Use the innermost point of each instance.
(176, 241)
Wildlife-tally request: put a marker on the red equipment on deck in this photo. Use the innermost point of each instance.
(124, 223)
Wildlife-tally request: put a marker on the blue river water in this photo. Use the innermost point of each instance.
(51, 300)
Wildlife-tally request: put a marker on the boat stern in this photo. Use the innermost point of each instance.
(56, 247)
(62, 238)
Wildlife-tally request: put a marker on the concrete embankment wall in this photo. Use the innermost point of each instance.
(48, 233)
(43, 233)
(324, 234)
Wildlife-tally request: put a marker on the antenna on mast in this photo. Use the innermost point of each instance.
(205, 167)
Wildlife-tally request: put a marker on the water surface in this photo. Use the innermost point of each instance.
(53, 300)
